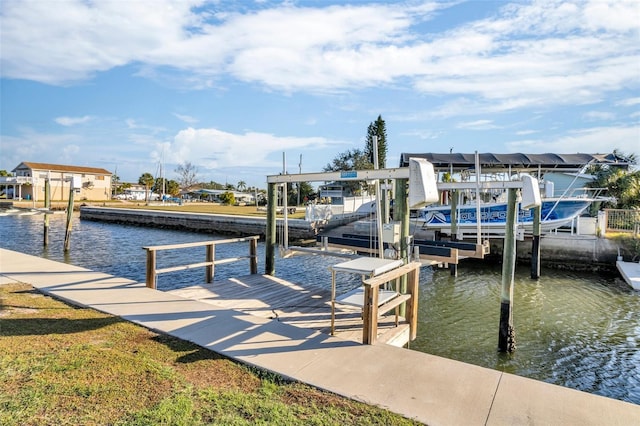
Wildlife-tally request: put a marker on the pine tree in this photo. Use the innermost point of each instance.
(377, 128)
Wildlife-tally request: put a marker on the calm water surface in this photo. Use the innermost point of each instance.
(572, 329)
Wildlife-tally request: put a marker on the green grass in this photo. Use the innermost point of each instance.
(62, 365)
(629, 244)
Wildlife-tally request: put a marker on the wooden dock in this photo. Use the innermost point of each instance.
(306, 307)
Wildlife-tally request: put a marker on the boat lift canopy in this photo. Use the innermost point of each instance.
(490, 162)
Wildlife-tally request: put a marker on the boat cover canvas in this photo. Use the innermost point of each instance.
(516, 161)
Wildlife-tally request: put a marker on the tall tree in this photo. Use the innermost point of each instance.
(353, 159)
(242, 185)
(187, 173)
(377, 128)
(620, 183)
(159, 186)
(147, 180)
(173, 188)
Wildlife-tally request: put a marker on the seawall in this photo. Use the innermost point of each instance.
(573, 252)
(201, 222)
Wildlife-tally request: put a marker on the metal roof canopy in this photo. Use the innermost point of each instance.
(514, 162)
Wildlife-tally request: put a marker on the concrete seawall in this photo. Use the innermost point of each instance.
(202, 222)
(574, 252)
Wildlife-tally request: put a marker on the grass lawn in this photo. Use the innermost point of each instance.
(62, 365)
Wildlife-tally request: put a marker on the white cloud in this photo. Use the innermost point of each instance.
(213, 148)
(72, 121)
(529, 54)
(599, 115)
(526, 132)
(135, 125)
(478, 125)
(592, 140)
(629, 102)
(186, 118)
(39, 147)
(424, 134)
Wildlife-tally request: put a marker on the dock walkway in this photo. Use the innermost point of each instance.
(430, 389)
(277, 299)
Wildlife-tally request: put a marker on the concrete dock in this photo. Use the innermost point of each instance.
(430, 389)
(630, 272)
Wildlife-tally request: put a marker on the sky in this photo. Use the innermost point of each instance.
(234, 86)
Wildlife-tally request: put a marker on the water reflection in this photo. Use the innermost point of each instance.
(572, 329)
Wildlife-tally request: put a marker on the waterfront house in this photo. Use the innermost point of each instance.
(28, 182)
(214, 195)
(137, 192)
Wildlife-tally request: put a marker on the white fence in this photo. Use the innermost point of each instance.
(621, 220)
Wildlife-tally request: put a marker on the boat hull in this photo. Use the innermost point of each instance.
(554, 214)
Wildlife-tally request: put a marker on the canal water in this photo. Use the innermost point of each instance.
(579, 330)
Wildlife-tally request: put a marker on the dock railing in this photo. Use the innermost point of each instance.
(622, 220)
(371, 310)
(209, 262)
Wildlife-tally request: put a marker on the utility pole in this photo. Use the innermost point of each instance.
(299, 183)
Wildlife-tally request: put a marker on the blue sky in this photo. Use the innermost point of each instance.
(231, 85)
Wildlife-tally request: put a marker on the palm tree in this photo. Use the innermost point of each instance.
(621, 183)
(242, 185)
(147, 180)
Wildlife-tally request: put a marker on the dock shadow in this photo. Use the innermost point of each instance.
(44, 326)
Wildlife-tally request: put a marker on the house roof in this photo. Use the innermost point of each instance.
(564, 162)
(62, 168)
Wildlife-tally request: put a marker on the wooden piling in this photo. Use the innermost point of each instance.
(67, 234)
(253, 256)
(150, 276)
(453, 267)
(47, 206)
(506, 337)
(270, 234)
(401, 213)
(209, 257)
(535, 244)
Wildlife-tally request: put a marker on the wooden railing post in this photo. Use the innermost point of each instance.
(151, 269)
(209, 257)
(412, 304)
(253, 256)
(370, 315)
